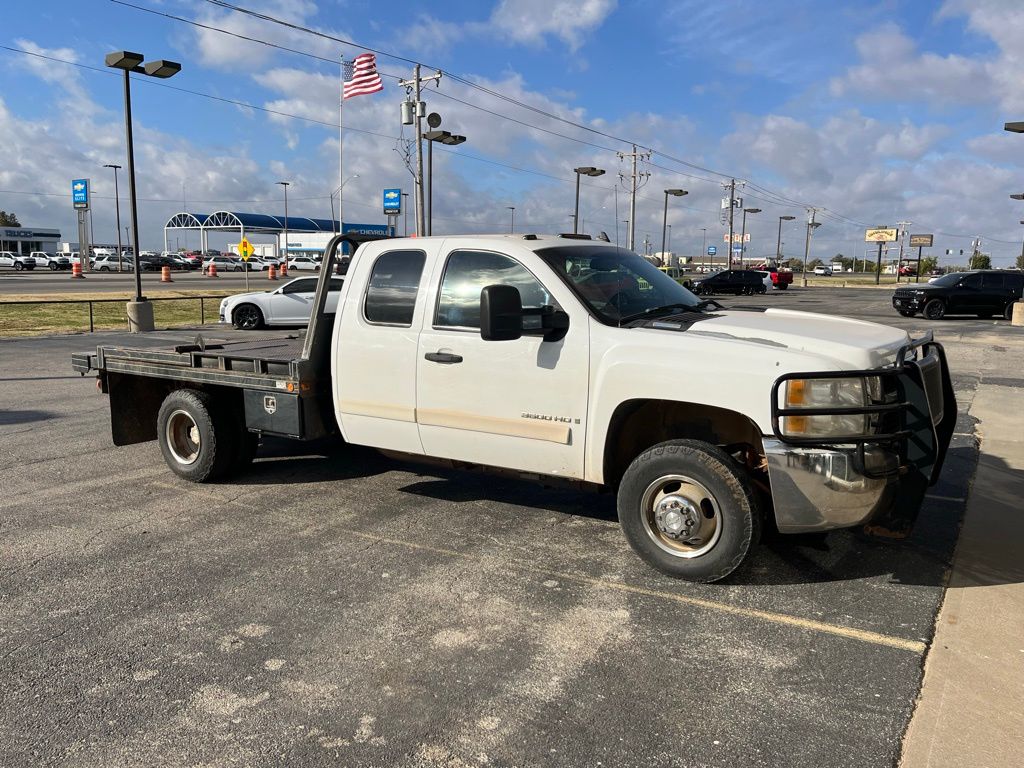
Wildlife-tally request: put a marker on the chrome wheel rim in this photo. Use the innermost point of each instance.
(681, 516)
(182, 436)
(247, 317)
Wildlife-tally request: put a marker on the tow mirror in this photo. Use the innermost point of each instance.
(501, 313)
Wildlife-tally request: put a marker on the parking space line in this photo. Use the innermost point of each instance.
(782, 619)
(850, 633)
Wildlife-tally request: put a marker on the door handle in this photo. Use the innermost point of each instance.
(445, 358)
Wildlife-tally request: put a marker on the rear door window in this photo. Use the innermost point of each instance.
(391, 291)
(992, 282)
(1014, 282)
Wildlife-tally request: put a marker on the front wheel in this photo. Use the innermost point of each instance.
(18, 266)
(687, 510)
(247, 317)
(935, 309)
(782, 286)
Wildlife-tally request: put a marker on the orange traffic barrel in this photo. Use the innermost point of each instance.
(76, 269)
(165, 275)
(284, 269)
(212, 271)
(272, 273)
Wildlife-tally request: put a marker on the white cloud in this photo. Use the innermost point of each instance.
(532, 21)
(892, 67)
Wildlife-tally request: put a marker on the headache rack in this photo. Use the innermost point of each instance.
(917, 421)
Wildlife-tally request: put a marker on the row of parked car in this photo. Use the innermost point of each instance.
(151, 261)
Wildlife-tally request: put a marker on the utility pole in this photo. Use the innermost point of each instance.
(732, 207)
(420, 112)
(903, 238)
(635, 180)
(703, 244)
(811, 224)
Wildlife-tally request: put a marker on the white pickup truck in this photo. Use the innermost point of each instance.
(560, 357)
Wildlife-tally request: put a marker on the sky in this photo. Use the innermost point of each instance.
(871, 112)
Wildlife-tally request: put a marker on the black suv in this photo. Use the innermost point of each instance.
(983, 293)
(738, 281)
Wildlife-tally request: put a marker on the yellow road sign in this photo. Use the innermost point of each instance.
(245, 249)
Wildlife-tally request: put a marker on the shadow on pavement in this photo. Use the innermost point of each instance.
(24, 417)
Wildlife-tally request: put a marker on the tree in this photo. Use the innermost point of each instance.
(1020, 261)
(980, 261)
(9, 219)
(928, 263)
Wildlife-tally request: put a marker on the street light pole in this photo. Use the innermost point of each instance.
(743, 233)
(512, 226)
(140, 312)
(445, 137)
(286, 184)
(778, 243)
(669, 246)
(664, 217)
(117, 209)
(587, 170)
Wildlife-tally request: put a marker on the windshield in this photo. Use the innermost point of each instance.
(947, 280)
(616, 283)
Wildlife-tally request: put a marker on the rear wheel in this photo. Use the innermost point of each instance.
(687, 510)
(935, 309)
(1008, 312)
(247, 317)
(18, 266)
(196, 438)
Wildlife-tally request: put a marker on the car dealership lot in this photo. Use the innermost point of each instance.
(335, 606)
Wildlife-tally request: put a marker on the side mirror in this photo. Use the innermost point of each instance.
(501, 313)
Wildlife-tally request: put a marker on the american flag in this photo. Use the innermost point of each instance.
(362, 77)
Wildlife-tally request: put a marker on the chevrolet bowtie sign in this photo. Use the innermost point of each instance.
(392, 202)
(80, 193)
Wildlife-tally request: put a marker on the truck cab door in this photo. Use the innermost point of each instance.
(518, 404)
(375, 349)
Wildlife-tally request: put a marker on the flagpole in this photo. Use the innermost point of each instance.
(341, 140)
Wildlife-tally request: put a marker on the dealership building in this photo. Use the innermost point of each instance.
(24, 240)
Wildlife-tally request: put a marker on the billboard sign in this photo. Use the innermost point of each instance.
(392, 202)
(881, 235)
(921, 241)
(80, 193)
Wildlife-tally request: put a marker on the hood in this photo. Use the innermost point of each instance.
(850, 343)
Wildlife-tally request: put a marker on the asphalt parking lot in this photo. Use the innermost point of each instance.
(338, 607)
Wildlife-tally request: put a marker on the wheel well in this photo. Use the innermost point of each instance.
(637, 425)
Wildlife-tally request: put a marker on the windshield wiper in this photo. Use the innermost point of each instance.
(707, 303)
(652, 310)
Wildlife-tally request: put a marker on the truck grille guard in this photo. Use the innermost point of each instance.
(918, 424)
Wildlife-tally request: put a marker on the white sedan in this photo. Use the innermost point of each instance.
(291, 304)
(304, 262)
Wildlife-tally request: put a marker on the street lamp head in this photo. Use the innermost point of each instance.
(123, 60)
(589, 170)
(814, 224)
(1014, 127)
(1017, 197)
(453, 140)
(751, 210)
(786, 218)
(284, 183)
(162, 68)
(112, 165)
(676, 192)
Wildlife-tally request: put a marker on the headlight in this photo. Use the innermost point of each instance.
(838, 393)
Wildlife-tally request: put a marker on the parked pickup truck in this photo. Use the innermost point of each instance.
(781, 279)
(565, 358)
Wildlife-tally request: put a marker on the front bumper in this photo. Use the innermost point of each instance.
(819, 486)
(818, 489)
(908, 303)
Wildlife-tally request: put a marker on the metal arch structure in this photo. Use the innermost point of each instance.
(253, 223)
